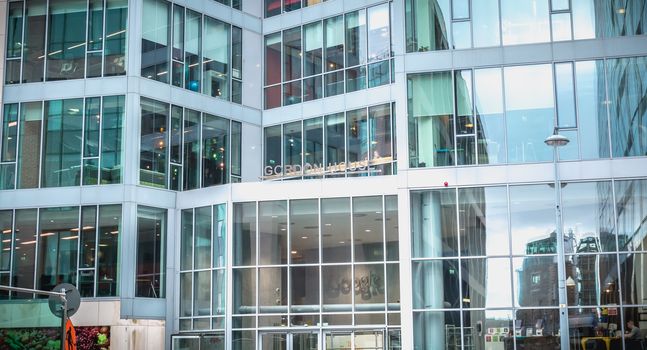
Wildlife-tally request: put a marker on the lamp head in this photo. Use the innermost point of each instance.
(556, 140)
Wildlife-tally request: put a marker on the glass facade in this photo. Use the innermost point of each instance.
(61, 40)
(362, 144)
(192, 51)
(461, 24)
(334, 265)
(183, 149)
(276, 7)
(465, 281)
(59, 143)
(43, 247)
(319, 59)
(460, 117)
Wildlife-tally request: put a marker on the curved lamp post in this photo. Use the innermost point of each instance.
(556, 140)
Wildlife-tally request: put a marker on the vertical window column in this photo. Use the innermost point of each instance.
(150, 281)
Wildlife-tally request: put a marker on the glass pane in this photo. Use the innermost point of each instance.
(291, 5)
(14, 28)
(357, 151)
(391, 224)
(115, 44)
(66, 44)
(216, 61)
(368, 232)
(304, 231)
(151, 235)
(7, 176)
(304, 289)
(338, 289)
(312, 89)
(186, 240)
(57, 247)
(435, 284)
(273, 58)
(380, 139)
(529, 319)
(565, 95)
(236, 147)
(431, 116)
(427, 25)
(31, 120)
(593, 279)
(114, 113)
(535, 282)
(592, 110)
(202, 294)
(335, 232)
(561, 26)
(24, 249)
(559, 5)
(393, 286)
(356, 39)
(488, 104)
(532, 219)
(462, 35)
(313, 145)
(272, 7)
(219, 235)
(186, 296)
(529, 112)
(292, 143)
(91, 171)
(273, 97)
(9, 133)
(236, 52)
(461, 9)
(95, 26)
(192, 50)
(219, 290)
(272, 227)
(483, 217)
(625, 78)
(335, 141)
(244, 234)
(215, 150)
(244, 291)
(245, 340)
(355, 79)
(369, 288)
(292, 54)
(191, 156)
(86, 283)
(477, 325)
(88, 239)
(272, 289)
(486, 283)
(334, 83)
(434, 231)
(62, 143)
(178, 34)
(236, 91)
(12, 74)
(92, 127)
(108, 254)
(585, 24)
(588, 221)
(465, 150)
(485, 20)
(34, 45)
(155, 40)
(378, 74)
(631, 211)
(292, 93)
(525, 22)
(313, 47)
(273, 165)
(334, 42)
(153, 151)
(176, 135)
(202, 238)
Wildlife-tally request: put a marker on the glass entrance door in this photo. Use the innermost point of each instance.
(290, 341)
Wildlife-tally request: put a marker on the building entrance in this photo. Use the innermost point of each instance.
(328, 340)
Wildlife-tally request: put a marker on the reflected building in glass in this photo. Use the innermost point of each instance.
(325, 174)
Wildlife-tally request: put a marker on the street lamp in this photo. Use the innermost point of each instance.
(556, 140)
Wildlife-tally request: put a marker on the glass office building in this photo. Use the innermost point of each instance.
(325, 174)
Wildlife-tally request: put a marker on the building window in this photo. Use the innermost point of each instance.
(70, 53)
(205, 150)
(175, 50)
(203, 282)
(276, 7)
(82, 142)
(323, 261)
(85, 255)
(299, 60)
(359, 144)
(150, 278)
